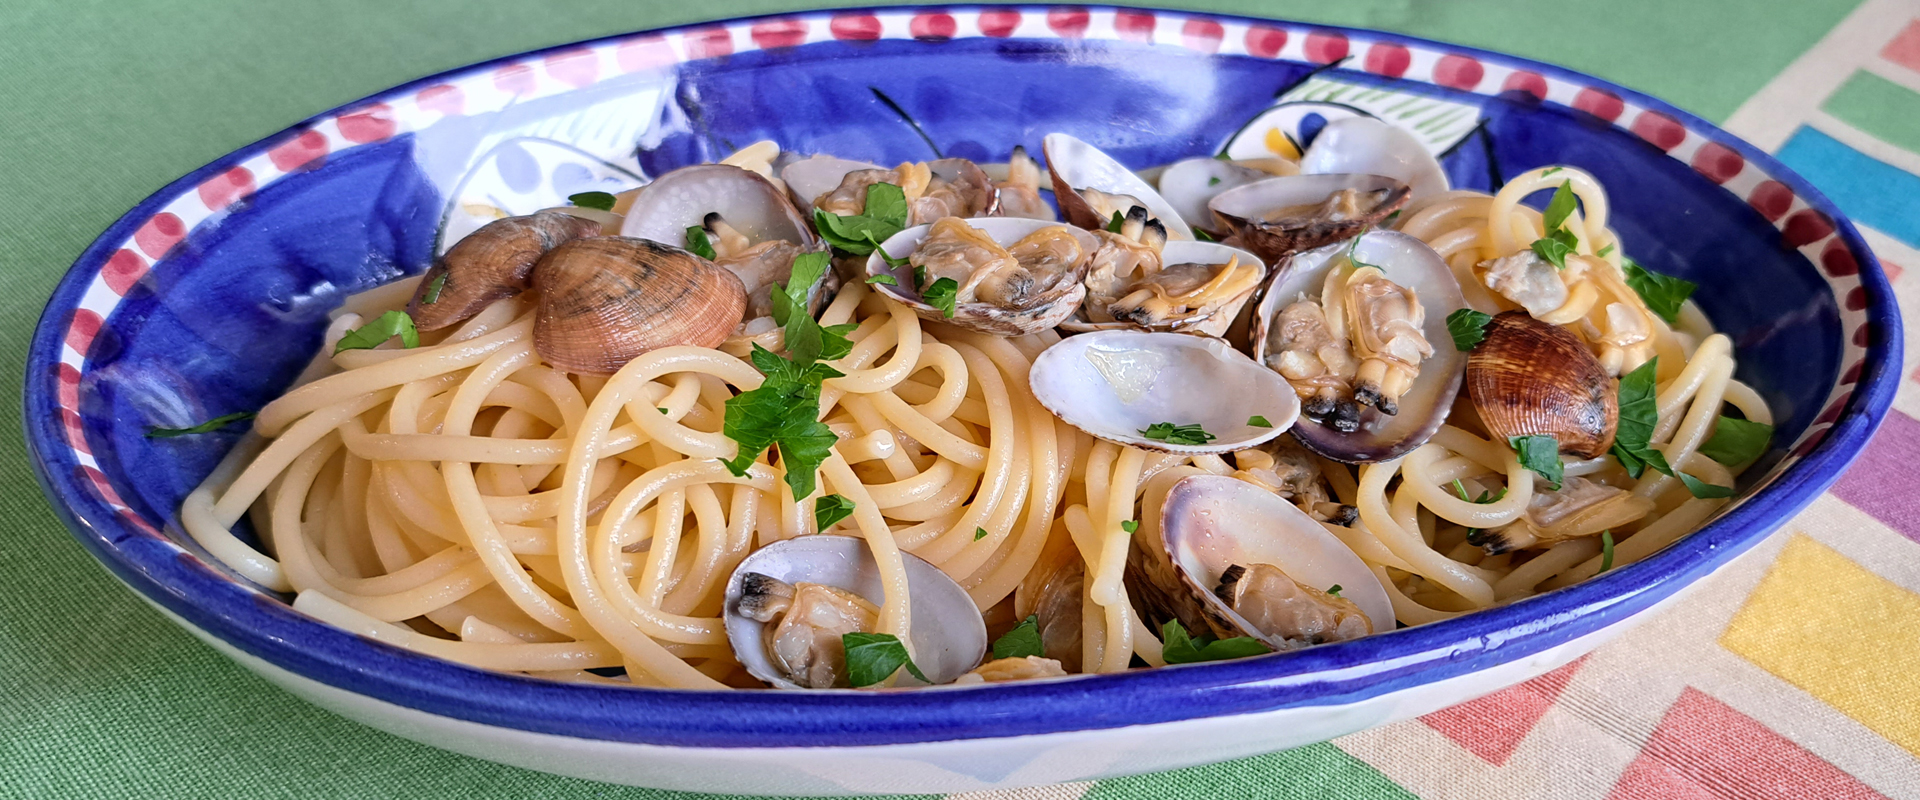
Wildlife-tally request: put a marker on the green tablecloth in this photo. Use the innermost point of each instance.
(103, 102)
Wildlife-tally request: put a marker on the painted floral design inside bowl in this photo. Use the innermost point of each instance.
(210, 296)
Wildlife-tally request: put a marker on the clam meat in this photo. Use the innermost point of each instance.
(1093, 188)
(1138, 279)
(1019, 194)
(789, 604)
(1348, 326)
(948, 187)
(1580, 507)
(1005, 276)
(1278, 217)
(1228, 559)
(1284, 467)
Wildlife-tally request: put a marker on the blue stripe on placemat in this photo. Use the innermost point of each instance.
(1871, 191)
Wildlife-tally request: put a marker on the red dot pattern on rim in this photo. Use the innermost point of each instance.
(223, 189)
(1813, 440)
(576, 68)
(76, 431)
(514, 79)
(1069, 22)
(443, 97)
(160, 234)
(375, 123)
(1718, 162)
(1805, 227)
(1458, 71)
(1133, 26)
(777, 33)
(1600, 103)
(1659, 130)
(1838, 260)
(855, 27)
(709, 43)
(1771, 199)
(69, 385)
(80, 332)
(141, 525)
(1387, 58)
(999, 22)
(646, 52)
(1852, 375)
(1265, 42)
(1529, 82)
(124, 269)
(1857, 298)
(939, 27)
(1202, 35)
(306, 151)
(1862, 335)
(1326, 48)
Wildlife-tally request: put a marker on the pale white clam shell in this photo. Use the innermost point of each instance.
(1162, 377)
(1367, 146)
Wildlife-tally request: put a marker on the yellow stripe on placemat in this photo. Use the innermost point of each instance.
(1845, 635)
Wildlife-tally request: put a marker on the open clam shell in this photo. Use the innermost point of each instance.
(1188, 185)
(1076, 165)
(1246, 211)
(1368, 146)
(1210, 323)
(1116, 384)
(1209, 523)
(683, 198)
(1052, 307)
(1424, 405)
(949, 636)
(808, 178)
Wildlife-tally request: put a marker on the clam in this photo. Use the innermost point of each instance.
(1056, 586)
(1278, 217)
(947, 187)
(1010, 276)
(491, 264)
(788, 604)
(608, 299)
(1368, 146)
(1359, 330)
(1188, 186)
(1193, 287)
(1580, 507)
(754, 230)
(1091, 187)
(1120, 385)
(1534, 378)
(1228, 559)
(1285, 467)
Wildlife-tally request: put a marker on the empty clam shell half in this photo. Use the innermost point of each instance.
(1041, 311)
(1369, 146)
(948, 635)
(683, 198)
(1188, 184)
(1116, 385)
(1424, 406)
(1076, 165)
(1209, 523)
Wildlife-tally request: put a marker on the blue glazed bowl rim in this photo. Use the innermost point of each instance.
(1350, 672)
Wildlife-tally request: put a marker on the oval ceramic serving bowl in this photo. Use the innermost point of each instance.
(210, 295)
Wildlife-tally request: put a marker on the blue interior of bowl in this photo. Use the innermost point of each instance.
(231, 314)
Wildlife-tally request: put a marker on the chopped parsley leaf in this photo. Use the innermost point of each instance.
(599, 200)
(1662, 293)
(1129, 525)
(1540, 453)
(830, 509)
(432, 294)
(1606, 551)
(1334, 590)
(873, 657)
(1021, 642)
(1737, 441)
(885, 214)
(1259, 421)
(377, 332)
(943, 294)
(1178, 648)
(205, 427)
(698, 243)
(1178, 434)
(1468, 327)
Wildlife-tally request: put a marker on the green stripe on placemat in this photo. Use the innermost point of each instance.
(1879, 107)
(1314, 772)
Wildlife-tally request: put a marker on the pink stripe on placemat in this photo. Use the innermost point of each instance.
(1492, 727)
(1705, 750)
(1883, 482)
(1905, 48)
